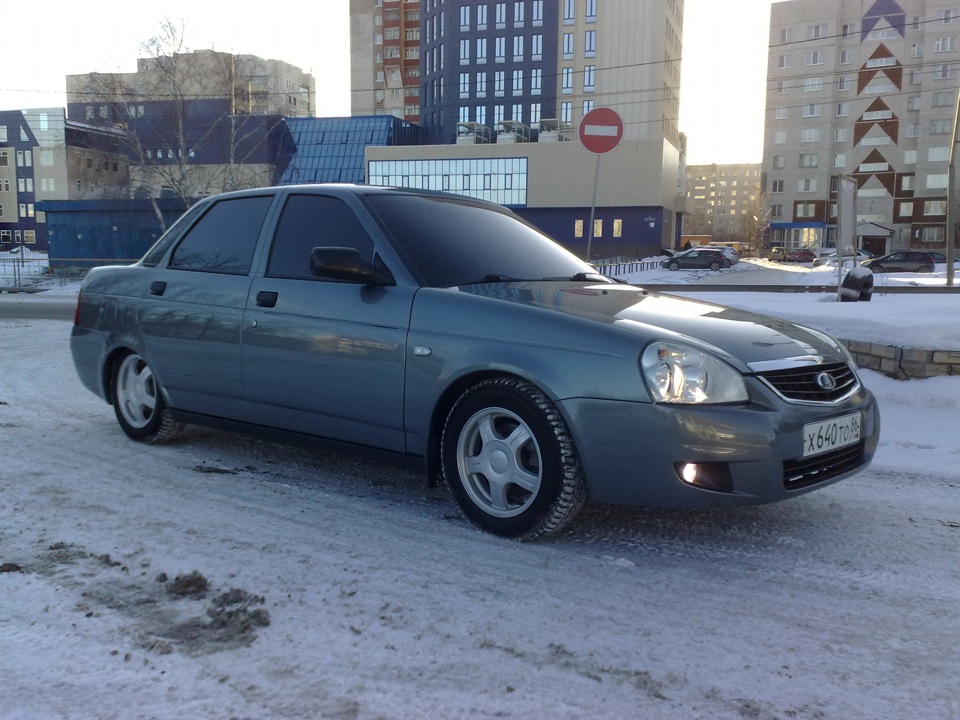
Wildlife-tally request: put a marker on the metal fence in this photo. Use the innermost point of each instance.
(22, 267)
(623, 268)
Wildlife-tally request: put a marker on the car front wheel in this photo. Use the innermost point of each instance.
(138, 401)
(673, 266)
(510, 462)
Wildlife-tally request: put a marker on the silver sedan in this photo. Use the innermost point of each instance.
(446, 331)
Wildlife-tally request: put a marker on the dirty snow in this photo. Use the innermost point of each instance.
(220, 577)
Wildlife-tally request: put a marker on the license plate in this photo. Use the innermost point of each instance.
(821, 437)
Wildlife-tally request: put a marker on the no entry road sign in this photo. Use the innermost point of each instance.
(601, 130)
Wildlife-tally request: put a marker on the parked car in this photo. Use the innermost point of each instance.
(800, 255)
(941, 259)
(444, 330)
(777, 253)
(902, 261)
(831, 258)
(697, 258)
(731, 253)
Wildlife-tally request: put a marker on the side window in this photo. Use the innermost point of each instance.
(224, 239)
(159, 249)
(310, 221)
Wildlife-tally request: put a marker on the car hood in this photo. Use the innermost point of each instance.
(746, 338)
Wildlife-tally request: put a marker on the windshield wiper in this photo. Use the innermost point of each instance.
(493, 278)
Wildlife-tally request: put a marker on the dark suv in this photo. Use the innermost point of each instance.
(902, 261)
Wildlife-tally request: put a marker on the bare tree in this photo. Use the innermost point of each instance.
(178, 115)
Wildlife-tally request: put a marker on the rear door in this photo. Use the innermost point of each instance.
(191, 313)
(321, 356)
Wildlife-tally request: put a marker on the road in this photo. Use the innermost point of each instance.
(384, 603)
(29, 306)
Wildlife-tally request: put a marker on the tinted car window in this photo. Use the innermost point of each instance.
(224, 239)
(448, 242)
(310, 221)
(174, 233)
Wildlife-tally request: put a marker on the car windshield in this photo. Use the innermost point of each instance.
(451, 241)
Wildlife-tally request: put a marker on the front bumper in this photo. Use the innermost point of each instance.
(630, 451)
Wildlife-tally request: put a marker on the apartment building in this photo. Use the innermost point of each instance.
(725, 202)
(385, 58)
(865, 89)
(243, 85)
(43, 156)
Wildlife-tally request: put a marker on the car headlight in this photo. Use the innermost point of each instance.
(677, 373)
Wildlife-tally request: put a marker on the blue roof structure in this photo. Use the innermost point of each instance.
(331, 149)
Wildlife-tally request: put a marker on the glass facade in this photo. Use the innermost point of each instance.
(331, 149)
(499, 180)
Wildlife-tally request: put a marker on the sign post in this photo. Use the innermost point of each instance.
(601, 130)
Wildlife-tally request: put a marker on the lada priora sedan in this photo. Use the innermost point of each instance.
(448, 331)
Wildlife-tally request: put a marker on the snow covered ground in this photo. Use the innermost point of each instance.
(219, 577)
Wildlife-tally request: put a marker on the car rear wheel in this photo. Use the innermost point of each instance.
(510, 462)
(714, 265)
(876, 268)
(673, 266)
(138, 401)
(924, 268)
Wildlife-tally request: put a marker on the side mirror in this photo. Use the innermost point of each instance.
(343, 263)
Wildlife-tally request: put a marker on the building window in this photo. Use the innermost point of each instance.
(501, 14)
(590, 43)
(518, 18)
(905, 209)
(536, 81)
(464, 51)
(817, 32)
(781, 113)
(842, 110)
(807, 185)
(941, 127)
(482, 16)
(813, 57)
(517, 82)
(465, 17)
(498, 83)
(537, 12)
(840, 160)
(848, 30)
(846, 57)
(945, 17)
(776, 211)
(536, 47)
(779, 162)
(464, 85)
(776, 186)
(500, 49)
(481, 84)
(591, 14)
(566, 112)
(518, 47)
(780, 137)
(568, 46)
(933, 235)
(566, 81)
(844, 83)
(810, 135)
(569, 12)
(840, 135)
(806, 210)
(946, 44)
(812, 110)
(809, 160)
(935, 207)
(784, 62)
(943, 98)
(943, 72)
(812, 84)
(589, 77)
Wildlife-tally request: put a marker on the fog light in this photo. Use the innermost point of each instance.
(709, 476)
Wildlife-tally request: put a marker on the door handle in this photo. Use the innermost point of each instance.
(265, 298)
(158, 288)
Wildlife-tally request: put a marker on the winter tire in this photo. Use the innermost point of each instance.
(510, 462)
(138, 401)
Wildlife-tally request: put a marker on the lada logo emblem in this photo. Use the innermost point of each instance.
(826, 381)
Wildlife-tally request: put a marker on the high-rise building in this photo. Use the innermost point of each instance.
(385, 58)
(865, 89)
(504, 85)
(725, 202)
(483, 67)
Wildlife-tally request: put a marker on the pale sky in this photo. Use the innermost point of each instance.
(723, 72)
